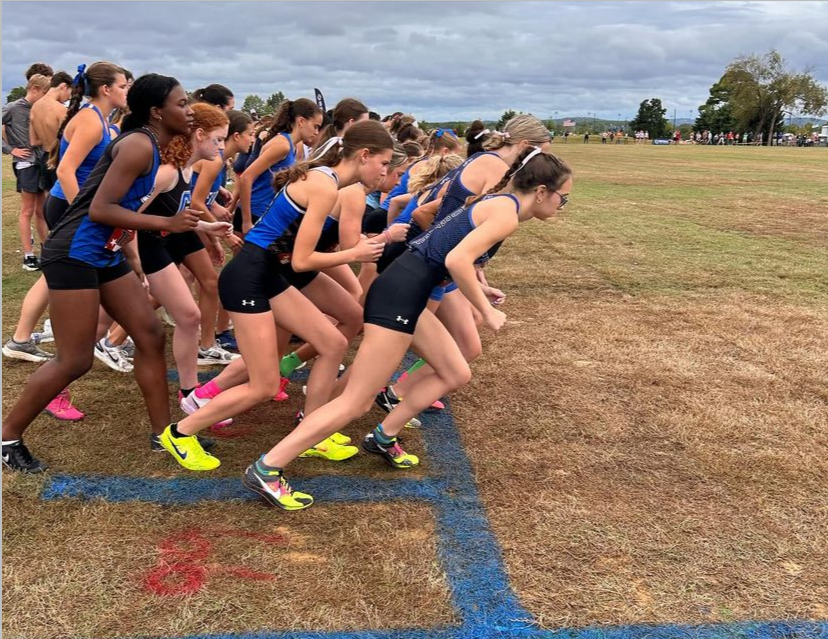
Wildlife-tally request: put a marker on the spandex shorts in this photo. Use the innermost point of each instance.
(70, 274)
(250, 280)
(54, 209)
(237, 219)
(399, 295)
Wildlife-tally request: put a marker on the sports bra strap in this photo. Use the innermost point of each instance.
(327, 171)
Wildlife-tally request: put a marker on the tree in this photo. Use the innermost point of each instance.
(16, 93)
(762, 90)
(651, 118)
(716, 115)
(254, 103)
(274, 101)
(507, 115)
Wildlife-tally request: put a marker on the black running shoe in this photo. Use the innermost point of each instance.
(206, 443)
(392, 453)
(385, 401)
(17, 457)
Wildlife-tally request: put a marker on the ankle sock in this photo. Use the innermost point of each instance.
(264, 468)
(381, 437)
(208, 390)
(289, 364)
(174, 431)
(416, 366)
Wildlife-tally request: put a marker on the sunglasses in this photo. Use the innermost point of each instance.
(564, 200)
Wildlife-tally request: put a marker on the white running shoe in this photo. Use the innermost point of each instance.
(113, 357)
(192, 403)
(215, 355)
(46, 335)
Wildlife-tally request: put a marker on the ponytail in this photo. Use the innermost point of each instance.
(431, 170)
(369, 134)
(75, 100)
(289, 111)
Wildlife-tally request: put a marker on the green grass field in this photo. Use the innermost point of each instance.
(649, 432)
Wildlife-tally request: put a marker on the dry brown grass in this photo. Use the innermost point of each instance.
(649, 432)
(86, 569)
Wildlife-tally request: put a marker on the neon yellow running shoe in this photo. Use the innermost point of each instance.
(274, 488)
(336, 438)
(330, 450)
(339, 438)
(188, 452)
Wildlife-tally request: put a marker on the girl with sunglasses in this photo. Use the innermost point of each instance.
(396, 318)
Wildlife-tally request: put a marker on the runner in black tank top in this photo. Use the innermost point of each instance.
(85, 269)
(161, 253)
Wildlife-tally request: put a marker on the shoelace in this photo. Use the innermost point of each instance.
(396, 449)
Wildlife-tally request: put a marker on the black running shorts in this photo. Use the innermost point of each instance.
(54, 209)
(70, 274)
(296, 279)
(400, 294)
(375, 222)
(153, 253)
(180, 245)
(250, 280)
(237, 219)
(28, 178)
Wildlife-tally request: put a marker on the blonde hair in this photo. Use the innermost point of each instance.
(519, 128)
(38, 81)
(431, 170)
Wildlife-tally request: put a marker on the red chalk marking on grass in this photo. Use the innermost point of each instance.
(181, 569)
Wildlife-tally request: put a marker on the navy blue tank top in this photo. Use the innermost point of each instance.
(78, 237)
(84, 170)
(440, 239)
(276, 230)
(457, 194)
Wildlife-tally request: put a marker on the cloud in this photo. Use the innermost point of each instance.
(438, 60)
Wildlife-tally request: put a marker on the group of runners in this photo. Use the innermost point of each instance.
(140, 217)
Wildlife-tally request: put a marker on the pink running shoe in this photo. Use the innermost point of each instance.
(61, 408)
(438, 405)
(282, 396)
(192, 403)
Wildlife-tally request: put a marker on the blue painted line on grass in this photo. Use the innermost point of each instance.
(470, 555)
(189, 491)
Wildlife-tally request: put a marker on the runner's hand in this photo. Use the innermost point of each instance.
(184, 220)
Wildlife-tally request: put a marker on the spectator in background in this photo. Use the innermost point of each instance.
(39, 68)
(45, 119)
(26, 169)
(586, 137)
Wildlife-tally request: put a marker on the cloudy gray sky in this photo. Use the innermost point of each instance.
(437, 60)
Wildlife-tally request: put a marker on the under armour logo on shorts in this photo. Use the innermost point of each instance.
(248, 302)
(400, 319)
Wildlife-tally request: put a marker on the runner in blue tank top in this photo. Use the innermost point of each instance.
(441, 142)
(258, 296)
(83, 137)
(295, 121)
(476, 176)
(536, 186)
(84, 264)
